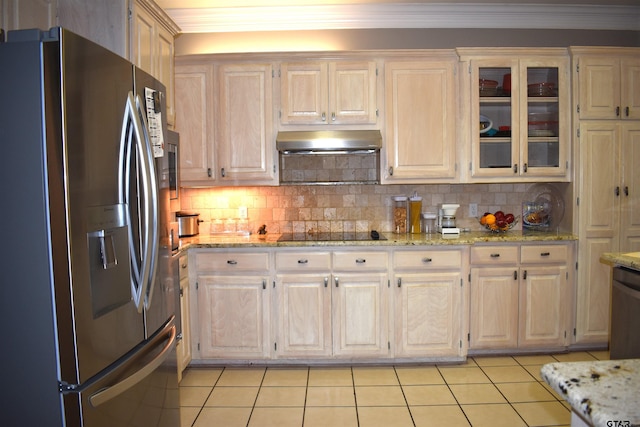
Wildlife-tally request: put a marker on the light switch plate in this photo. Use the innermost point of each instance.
(242, 212)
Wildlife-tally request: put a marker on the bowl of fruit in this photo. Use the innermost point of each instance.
(498, 222)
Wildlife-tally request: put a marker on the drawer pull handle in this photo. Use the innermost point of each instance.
(232, 262)
(303, 261)
(495, 255)
(426, 260)
(399, 282)
(545, 253)
(361, 261)
(337, 281)
(326, 281)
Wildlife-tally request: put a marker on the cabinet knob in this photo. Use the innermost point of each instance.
(391, 170)
(361, 261)
(336, 281)
(515, 168)
(626, 111)
(626, 190)
(303, 261)
(618, 111)
(399, 282)
(232, 262)
(495, 255)
(426, 260)
(333, 117)
(223, 173)
(324, 116)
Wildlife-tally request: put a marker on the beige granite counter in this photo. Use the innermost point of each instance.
(603, 393)
(467, 238)
(629, 259)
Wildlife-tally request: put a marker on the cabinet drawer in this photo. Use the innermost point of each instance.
(544, 254)
(427, 259)
(494, 255)
(370, 261)
(183, 265)
(302, 261)
(232, 261)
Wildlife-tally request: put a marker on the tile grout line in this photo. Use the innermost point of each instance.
(404, 396)
(264, 374)
(453, 394)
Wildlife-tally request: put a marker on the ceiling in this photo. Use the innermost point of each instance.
(208, 16)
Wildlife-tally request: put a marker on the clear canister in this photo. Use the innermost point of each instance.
(400, 216)
(428, 222)
(415, 213)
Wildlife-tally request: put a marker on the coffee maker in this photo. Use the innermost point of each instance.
(447, 219)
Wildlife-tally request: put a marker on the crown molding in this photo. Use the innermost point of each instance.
(407, 15)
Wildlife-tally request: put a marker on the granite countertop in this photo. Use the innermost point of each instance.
(601, 392)
(466, 238)
(629, 259)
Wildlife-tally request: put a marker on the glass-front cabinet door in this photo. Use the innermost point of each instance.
(520, 117)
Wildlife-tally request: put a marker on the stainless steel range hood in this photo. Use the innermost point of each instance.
(329, 142)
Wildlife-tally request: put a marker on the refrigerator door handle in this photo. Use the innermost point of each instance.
(135, 138)
(109, 393)
(152, 246)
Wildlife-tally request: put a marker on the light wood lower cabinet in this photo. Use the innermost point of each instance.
(323, 311)
(233, 305)
(520, 296)
(428, 302)
(183, 347)
(379, 304)
(360, 315)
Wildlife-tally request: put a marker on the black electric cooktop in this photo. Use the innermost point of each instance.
(331, 237)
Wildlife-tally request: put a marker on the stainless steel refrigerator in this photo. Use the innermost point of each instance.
(88, 277)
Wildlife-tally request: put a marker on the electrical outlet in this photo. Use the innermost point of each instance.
(242, 212)
(473, 210)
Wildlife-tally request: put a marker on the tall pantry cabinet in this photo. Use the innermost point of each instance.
(607, 216)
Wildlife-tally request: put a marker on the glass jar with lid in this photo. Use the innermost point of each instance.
(400, 216)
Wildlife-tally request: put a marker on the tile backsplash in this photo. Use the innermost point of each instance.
(358, 207)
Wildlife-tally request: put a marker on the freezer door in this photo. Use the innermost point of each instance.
(141, 391)
(86, 89)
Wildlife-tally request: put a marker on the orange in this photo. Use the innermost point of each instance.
(483, 220)
(490, 219)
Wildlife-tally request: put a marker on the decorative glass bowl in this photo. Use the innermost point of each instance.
(495, 229)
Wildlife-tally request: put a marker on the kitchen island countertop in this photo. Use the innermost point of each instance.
(466, 238)
(603, 393)
(622, 259)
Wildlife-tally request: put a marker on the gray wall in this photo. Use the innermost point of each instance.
(199, 43)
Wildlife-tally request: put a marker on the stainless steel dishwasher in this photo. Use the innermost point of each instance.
(625, 314)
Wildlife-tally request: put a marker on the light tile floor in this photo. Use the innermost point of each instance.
(485, 391)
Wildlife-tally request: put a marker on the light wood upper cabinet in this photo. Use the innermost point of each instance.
(529, 137)
(194, 121)
(244, 126)
(21, 14)
(420, 121)
(608, 83)
(152, 47)
(320, 92)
